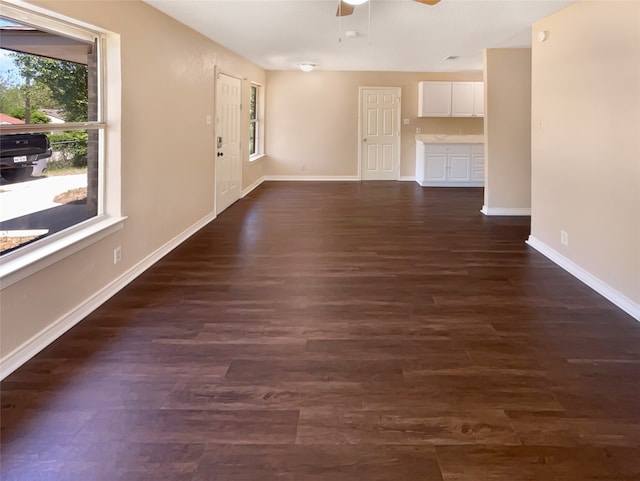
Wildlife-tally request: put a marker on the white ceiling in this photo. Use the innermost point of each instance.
(405, 35)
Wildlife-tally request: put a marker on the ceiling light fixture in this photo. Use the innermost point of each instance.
(355, 2)
(306, 67)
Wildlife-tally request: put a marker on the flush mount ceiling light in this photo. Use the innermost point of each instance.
(355, 2)
(306, 67)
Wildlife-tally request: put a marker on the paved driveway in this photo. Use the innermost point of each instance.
(35, 195)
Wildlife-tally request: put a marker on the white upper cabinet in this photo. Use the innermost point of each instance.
(462, 99)
(450, 99)
(467, 99)
(434, 99)
(478, 98)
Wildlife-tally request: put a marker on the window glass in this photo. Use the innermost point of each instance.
(253, 119)
(50, 132)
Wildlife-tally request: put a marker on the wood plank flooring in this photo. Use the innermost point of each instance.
(338, 332)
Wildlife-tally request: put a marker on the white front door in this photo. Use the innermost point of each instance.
(228, 159)
(380, 133)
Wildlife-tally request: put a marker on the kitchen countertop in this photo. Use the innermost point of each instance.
(449, 139)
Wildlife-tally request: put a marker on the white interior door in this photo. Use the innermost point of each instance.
(380, 131)
(228, 159)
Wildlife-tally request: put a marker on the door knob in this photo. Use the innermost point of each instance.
(364, 140)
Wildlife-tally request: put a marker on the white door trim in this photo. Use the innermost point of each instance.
(219, 71)
(398, 91)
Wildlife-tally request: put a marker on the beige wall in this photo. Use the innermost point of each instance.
(586, 139)
(167, 158)
(312, 119)
(507, 126)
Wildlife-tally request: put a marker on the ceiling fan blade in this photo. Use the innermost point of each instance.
(344, 9)
(428, 2)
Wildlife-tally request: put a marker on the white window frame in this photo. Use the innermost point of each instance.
(258, 121)
(31, 258)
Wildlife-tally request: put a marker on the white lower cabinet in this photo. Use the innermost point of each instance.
(450, 165)
(459, 168)
(477, 168)
(436, 167)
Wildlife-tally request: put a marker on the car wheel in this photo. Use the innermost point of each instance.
(16, 175)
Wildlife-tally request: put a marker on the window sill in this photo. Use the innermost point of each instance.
(21, 264)
(254, 157)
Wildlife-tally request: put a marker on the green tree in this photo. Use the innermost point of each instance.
(37, 117)
(10, 98)
(72, 146)
(13, 95)
(66, 82)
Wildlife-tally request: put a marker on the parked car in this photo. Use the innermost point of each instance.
(19, 153)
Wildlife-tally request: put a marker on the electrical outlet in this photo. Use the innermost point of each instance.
(117, 254)
(564, 238)
(418, 130)
(405, 121)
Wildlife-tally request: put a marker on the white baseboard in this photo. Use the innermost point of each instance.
(627, 305)
(505, 210)
(313, 178)
(247, 190)
(37, 343)
(323, 178)
(428, 183)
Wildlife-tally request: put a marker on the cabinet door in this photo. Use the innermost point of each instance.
(478, 99)
(436, 167)
(420, 154)
(459, 168)
(477, 167)
(434, 99)
(462, 99)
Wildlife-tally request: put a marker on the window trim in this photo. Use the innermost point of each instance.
(258, 121)
(31, 258)
(13, 269)
(29, 128)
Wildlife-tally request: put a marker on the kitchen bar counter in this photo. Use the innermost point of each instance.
(449, 139)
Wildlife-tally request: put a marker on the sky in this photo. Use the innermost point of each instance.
(6, 64)
(8, 72)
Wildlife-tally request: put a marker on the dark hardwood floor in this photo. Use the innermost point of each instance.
(338, 332)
